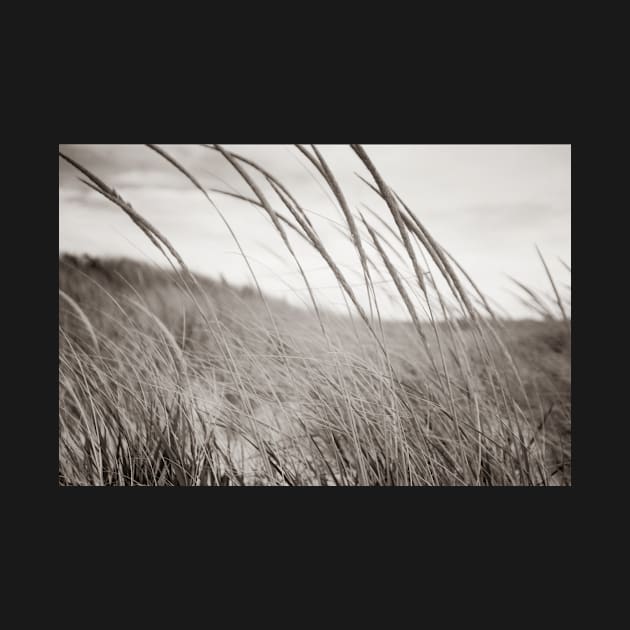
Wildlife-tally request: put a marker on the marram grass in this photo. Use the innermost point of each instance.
(167, 378)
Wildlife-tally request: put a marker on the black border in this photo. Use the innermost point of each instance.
(371, 107)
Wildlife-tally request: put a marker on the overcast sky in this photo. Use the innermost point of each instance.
(488, 205)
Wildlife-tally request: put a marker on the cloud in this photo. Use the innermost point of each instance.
(136, 166)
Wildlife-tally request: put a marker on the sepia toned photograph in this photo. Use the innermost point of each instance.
(314, 315)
